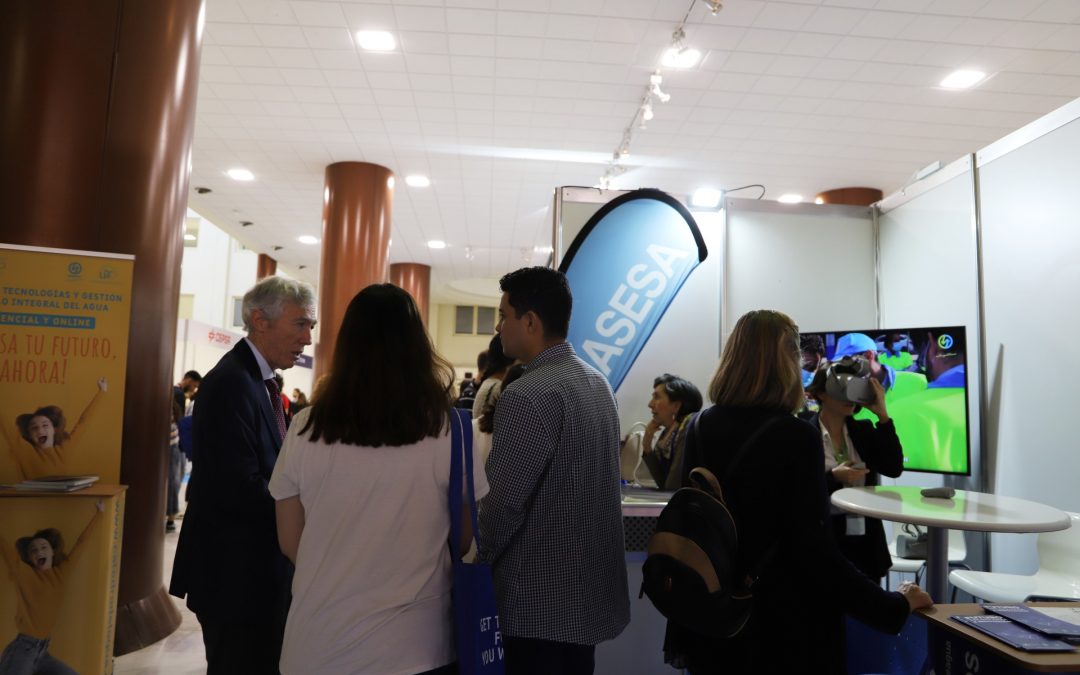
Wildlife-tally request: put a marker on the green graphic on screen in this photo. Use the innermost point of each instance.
(924, 373)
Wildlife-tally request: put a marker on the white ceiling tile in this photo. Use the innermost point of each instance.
(835, 69)
(303, 77)
(472, 66)
(1004, 9)
(1069, 66)
(314, 94)
(1026, 35)
(424, 43)
(792, 66)
(260, 76)
(388, 81)
(563, 27)
(336, 59)
(948, 56)
(429, 83)
(931, 28)
(1026, 61)
(588, 7)
(882, 24)
(635, 9)
(1066, 38)
(373, 61)
(477, 21)
(856, 48)
(293, 58)
(833, 20)
(1056, 11)
(472, 45)
(784, 16)
(979, 31)
(328, 38)
(268, 11)
(345, 78)
(807, 44)
(901, 51)
(472, 85)
(369, 17)
(411, 18)
(567, 50)
(213, 55)
(525, 24)
(765, 41)
(247, 56)
(281, 36)
(233, 35)
(265, 92)
(225, 10)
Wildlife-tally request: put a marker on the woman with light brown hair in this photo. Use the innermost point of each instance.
(771, 467)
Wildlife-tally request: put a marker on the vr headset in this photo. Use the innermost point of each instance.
(849, 380)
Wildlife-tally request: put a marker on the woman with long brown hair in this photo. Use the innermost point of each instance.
(361, 486)
(776, 494)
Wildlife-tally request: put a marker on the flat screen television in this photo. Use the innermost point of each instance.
(924, 372)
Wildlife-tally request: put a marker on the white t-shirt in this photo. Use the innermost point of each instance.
(371, 593)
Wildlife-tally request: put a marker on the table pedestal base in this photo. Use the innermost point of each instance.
(937, 563)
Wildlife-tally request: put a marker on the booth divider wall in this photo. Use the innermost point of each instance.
(928, 276)
(1030, 246)
(812, 262)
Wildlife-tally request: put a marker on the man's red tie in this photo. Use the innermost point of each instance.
(275, 403)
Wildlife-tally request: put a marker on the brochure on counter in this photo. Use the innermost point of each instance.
(1037, 619)
(1013, 634)
(54, 484)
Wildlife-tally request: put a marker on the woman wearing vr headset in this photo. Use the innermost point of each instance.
(769, 464)
(855, 451)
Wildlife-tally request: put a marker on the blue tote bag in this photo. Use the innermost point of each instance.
(476, 615)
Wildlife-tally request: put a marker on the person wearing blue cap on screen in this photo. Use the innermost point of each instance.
(860, 344)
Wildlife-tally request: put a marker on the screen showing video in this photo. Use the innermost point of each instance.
(924, 374)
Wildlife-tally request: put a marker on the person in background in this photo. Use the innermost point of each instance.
(856, 451)
(286, 404)
(491, 377)
(674, 400)
(177, 467)
(484, 425)
(812, 350)
(228, 563)
(185, 390)
(361, 488)
(552, 524)
(776, 495)
(299, 401)
(860, 344)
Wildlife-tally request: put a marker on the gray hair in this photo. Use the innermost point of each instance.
(270, 295)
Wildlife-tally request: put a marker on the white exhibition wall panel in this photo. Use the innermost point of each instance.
(1031, 282)
(814, 263)
(928, 276)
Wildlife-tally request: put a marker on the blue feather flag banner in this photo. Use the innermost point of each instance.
(625, 268)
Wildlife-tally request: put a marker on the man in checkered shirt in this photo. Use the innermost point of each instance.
(552, 524)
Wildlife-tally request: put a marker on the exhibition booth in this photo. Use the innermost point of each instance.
(988, 243)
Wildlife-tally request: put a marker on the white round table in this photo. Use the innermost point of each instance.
(965, 511)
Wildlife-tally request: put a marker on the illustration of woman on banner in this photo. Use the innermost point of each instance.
(40, 572)
(48, 445)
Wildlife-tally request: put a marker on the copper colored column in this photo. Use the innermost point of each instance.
(267, 267)
(854, 196)
(96, 130)
(416, 279)
(357, 203)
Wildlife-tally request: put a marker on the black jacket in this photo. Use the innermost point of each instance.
(777, 496)
(880, 448)
(228, 562)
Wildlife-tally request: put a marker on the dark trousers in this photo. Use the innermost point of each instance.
(529, 656)
(249, 644)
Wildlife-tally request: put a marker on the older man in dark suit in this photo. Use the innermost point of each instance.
(228, 562)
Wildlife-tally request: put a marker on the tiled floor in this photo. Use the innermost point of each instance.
(180, 652)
